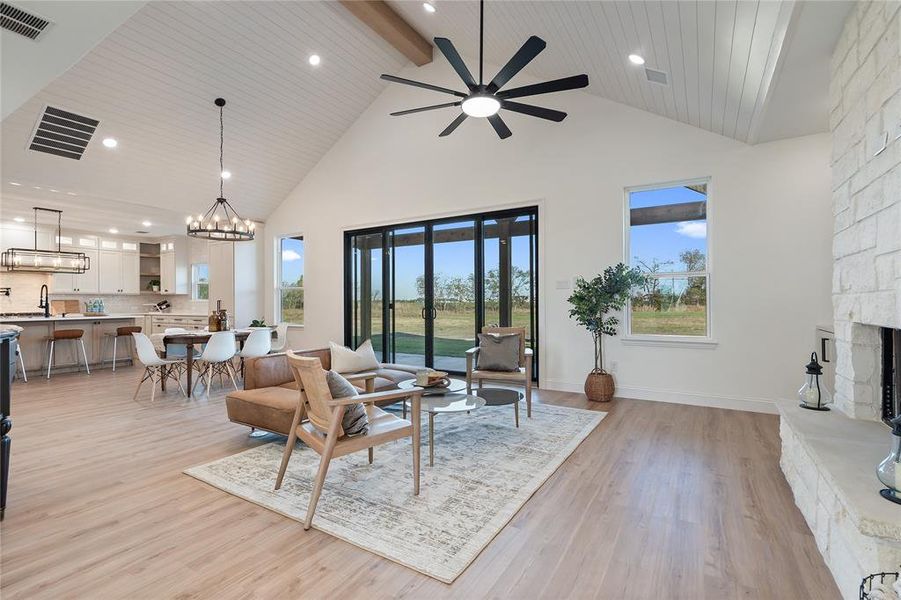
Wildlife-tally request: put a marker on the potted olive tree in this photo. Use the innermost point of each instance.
(591, 301)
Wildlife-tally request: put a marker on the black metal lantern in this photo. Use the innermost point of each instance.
(221, 221)
(36, 260)
(812, 394)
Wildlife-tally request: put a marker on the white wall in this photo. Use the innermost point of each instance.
(770, 232)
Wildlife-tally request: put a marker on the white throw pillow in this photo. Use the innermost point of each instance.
(345, 360)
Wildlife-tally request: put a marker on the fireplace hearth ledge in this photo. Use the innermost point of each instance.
(829, 461)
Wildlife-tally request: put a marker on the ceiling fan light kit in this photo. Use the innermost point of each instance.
(221, 221)
(486, 100)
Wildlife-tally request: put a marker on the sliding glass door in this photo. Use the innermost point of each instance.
(422, 291)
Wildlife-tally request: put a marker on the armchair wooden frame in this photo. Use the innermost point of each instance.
(523, 375)
(317, 421)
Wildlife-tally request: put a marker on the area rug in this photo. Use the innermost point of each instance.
(485, 470)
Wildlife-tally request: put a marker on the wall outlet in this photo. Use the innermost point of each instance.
(613, 366)
(562, 284)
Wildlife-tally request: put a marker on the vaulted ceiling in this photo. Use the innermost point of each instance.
(151, 84)
(152, 81)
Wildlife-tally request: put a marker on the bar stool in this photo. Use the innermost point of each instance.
(62, 335)
(21, 363)
(120, 332)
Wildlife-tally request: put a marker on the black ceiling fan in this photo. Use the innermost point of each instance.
(486, 100)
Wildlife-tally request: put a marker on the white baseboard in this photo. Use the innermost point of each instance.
(758, 405)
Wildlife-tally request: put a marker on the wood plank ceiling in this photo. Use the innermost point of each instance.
(151, 84)
(719, 56)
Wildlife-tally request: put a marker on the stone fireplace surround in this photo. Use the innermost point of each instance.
(829, 459)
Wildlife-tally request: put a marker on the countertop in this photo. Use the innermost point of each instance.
(108, 317)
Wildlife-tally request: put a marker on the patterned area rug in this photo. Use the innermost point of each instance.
(485, 470)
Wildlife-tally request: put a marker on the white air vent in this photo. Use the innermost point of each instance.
(655, 76)
(62, 133)
(21, 22)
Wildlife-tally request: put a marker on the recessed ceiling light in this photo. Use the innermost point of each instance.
(636, 59)
(146, 223)
(19, 220)
(71, 194)
(54, 191)
(113, 230)
(314, 59)
(14, 183)
(226, 174)
(429, 7)
(110, 142)
(37, 187)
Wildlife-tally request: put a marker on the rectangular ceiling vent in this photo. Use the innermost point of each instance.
(62, 133)
(655, 76)
(21, 22)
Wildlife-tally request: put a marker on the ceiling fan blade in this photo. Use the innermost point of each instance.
(424, 108)
(532, 48)
(500, 127)
(557, 85)
(534, 111)
(453, 57)
(454, 124)
(427, 86)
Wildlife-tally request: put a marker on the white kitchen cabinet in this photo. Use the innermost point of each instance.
(118, 272)
(174, 266)
(167, 273)
(110, 270)
(84, 283)
(131, 273)
(23, 237)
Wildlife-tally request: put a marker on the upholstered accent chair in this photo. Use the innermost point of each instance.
(523, 375)
(317, 421)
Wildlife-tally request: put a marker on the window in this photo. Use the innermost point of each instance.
(666, 238)
(290, 278)
(200, 281)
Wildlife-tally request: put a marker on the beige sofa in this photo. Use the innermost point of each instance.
(269, 396)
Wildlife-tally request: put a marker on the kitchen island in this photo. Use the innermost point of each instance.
(36, 330)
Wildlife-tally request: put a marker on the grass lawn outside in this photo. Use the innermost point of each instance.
(678, 321)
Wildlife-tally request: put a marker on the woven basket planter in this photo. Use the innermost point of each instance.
(599, 386)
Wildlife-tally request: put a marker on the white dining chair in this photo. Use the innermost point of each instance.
(281, 338)
(258, 343)
(180, 351)
(156, 369)
(216, 358)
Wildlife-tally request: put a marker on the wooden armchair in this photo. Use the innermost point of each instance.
(322, 430)
(523, 375)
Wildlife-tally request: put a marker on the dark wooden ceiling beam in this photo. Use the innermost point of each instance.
(382, 19)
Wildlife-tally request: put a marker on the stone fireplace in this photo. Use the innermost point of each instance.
(829, 459)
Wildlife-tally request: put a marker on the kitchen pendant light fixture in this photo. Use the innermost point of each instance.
(221, 221)
(34, 260)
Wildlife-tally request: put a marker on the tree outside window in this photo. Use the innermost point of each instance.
(291, 258)
(667, 229)
(200, 281)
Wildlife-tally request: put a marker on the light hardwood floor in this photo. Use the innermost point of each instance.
(660, 501)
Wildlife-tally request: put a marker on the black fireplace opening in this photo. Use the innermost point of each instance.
(891, 373)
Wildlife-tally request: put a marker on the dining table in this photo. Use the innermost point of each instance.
(192, 338)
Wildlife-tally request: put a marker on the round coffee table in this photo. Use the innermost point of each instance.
(455, 386)
(445, 404)
(501, 397)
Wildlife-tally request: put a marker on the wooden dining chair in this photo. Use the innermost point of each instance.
(317, 421)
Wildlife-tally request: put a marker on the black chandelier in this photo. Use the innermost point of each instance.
(221, 221)
(33, 260)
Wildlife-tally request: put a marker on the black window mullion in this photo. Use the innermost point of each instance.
(429, 273)
(479, 277)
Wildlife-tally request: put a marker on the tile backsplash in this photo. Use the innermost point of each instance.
(26, 290)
